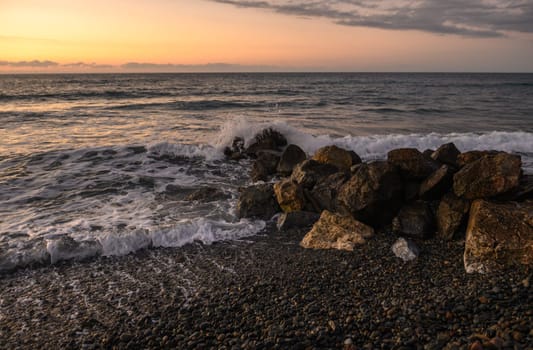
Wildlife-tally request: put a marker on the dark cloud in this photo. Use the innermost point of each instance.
(479, 18)
(29, 64)
(210, 67)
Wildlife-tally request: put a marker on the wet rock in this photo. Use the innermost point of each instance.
(206, 194)
(308, 172)
(297, 219)
(268, 139)
(428, 152)
(355, 158)
(373, 194)
(289, 195)
(291, 156)
(336, 156)
(471, 156)
(257, 201)
(335, 231)
(412, 163)
(405, 249)
(498, 236)
(265, 165)
(451, 214)
(66, 248)
(437, 184)
(236, 150)
(326, 190)
(488, 176)
(446, 154)
(415, 220)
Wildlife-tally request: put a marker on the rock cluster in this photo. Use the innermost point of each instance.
(413, 194)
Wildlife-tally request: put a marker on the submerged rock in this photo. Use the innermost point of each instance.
(488, 176)
(405, 249)
(309, 172)
(446, 154)
(335, 231)
(412, 163)
(289, 195)
(415, 220)
(206, 194)
(450, 215)
(297, 219)
(336, 156)
(257, 201)
(498, 236)
(291, 156)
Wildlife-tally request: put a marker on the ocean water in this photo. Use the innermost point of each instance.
(103, 164)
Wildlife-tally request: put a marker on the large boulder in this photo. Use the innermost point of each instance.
(268, 139)
(373, 194)
(523, 192)
(415, 220)
(412, 163)
(446, 154)
(471, 156)
(257, 201)
(437, 184)
(488, 176)
(335, 231)
(498, 236)
(451, 214)
(335, 156)
(308, 172)
(289, 195)
(291, 156)
(264, 166)
(297, 219)
(326, 190)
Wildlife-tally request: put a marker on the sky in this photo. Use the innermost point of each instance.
(266, 35)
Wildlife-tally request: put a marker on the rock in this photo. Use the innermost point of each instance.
(334, 231)
(427, 153)
(308, 172)
(291, 156)
(415, 220)
(488, 176)
(206, 194)
(471, 156)
(326, 189)
(355, 158)
(289, 195)
(405, 249)
(336, 156)
(446, 154)
(437, 184)
(264, 166)
(373, 194)
(235, 151)
(412, 163)
(451, 213)
(268, 139)
(523, 192)
(411, 190)
(498, 236)
(257, 201)
(297, 219)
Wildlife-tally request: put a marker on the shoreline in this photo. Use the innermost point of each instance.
(267, 292)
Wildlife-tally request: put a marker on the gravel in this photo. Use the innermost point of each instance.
(268, 293)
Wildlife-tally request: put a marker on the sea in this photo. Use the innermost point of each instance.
(103, 164)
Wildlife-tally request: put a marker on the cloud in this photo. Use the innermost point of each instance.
(86, 65)
(477, 18)
(29, 64)
(209, 67)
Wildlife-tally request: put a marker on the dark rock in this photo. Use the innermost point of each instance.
(326, 190)
(236, 150)
(373, 194)
(471, 156)
(405, 249)
(289, 195)
(427, 153)
(264, 166)
(355, 158)
(206, 194)
(446, 154)
(257, 201)
(308, 172)
(411, 189)
(297, 219)
(336, 156)
(291, 156)
(523, 192)
(335, 231)
(437, 184)
(415, 220)
(488, 176)
(451, 214)
(412, 163)
(498, 236)
(268, 139)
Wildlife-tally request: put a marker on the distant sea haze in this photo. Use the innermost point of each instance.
(108, 159)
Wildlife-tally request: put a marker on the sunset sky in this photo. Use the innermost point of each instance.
(265, 35)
